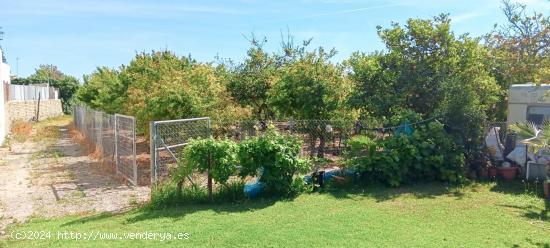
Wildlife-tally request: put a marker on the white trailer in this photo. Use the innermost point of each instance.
(528, 102)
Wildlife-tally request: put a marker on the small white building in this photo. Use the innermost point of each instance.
(5, 74)
(528, 102)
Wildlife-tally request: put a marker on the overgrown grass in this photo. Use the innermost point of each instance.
(429, 215)
(167, 195)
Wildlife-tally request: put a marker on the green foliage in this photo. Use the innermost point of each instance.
(374, 91)
(160, 86)
(428, 154)
(103, 90)
(311, 88)
(251, 81)
(50, 74)
(430, 71)
(520, 48)
(401, 116)
(163, 86)
(217, 157)
(275, 158)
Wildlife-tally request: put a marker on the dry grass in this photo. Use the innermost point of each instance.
(46, 133)
(21, 130)
(104, 166)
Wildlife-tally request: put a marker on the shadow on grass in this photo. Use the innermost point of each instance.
(91, 218)
(525, 188)
(378, 192)
(177, 212)
(383, 193)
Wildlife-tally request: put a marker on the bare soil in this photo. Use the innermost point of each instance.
(54, 176)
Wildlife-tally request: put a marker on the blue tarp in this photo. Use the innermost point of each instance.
(252, 190)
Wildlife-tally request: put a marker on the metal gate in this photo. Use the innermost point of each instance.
(168, 138)
(125, 147)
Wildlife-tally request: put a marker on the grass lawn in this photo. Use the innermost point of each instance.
(428, 215)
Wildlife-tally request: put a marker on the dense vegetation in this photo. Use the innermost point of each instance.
(426, 71)
(427, 154)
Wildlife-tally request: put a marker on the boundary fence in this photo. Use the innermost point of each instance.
(321, 138)
(111, 136)
(167, 140)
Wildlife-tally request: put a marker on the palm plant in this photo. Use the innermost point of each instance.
(535, 137)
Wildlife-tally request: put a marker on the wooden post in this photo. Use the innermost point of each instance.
(38, 108)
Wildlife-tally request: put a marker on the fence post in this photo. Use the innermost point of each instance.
(100, 135)
(134, 150)
(152, 151)
(116, 143)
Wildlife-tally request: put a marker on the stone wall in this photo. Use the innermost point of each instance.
(26, 110)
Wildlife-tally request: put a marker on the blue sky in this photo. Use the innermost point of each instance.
(79, 35)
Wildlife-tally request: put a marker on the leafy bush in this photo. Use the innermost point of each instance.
(216, 157)
(428, 154)
(275, 158)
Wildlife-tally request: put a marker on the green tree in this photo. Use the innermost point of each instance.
(163, 86)
(520, 48)
(252, 80)
(429, 70)
(374, 86)
(103, 90)
(312, 88)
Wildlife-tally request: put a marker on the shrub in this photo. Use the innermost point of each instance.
(216, 157)
(428, 154)
(275, 158)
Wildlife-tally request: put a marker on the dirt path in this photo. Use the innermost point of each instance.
(15, 189)
(51, 175)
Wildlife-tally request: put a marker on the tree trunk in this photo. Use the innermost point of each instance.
(321, 151)
(180, 186)
(312, 141)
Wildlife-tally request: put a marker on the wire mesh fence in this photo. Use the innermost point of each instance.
(125, 147)
(168, 138)
(320, 138)
(111, 137)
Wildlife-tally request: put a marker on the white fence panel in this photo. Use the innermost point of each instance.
(31, 92)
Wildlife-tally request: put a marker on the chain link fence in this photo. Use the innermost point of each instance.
(321, 138)
(111, 137)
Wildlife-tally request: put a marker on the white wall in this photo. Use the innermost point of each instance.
(4, 78)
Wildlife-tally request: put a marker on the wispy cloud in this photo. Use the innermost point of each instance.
(342, 12)
(466, 16)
